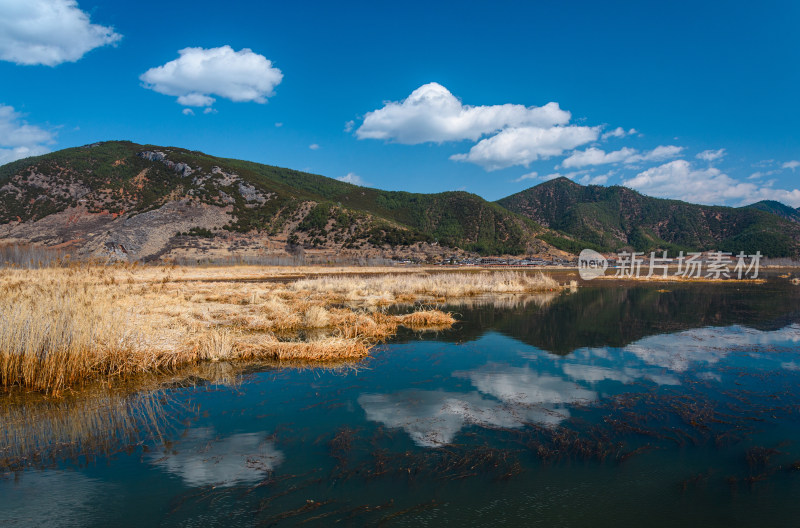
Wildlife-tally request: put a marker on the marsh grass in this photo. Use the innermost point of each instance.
(393, 288)
(426, 319)
(63, 327)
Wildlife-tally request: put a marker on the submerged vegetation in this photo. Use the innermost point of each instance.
(60, 327)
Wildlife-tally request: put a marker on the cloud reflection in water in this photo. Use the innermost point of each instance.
(507, 396)
(204, 460)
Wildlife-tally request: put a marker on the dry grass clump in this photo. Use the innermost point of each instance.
(316, 317)
(216, 345)
(324, 349)
(62, 327)
(426, 318)
(388, 289)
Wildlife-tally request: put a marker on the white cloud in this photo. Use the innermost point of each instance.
(313, 146)
(278, 124)
(618, 132)
(521, 146)
(348, 127)
(791, 165)
(18, 139)
(187, 111)
(432, 114)
(711, 155)
(48, 32)
(352, 177)
(596, 156)
(600, 179)
(198, 74)
(677, 179)
(660, 153)
(762, 174)
(528, 176)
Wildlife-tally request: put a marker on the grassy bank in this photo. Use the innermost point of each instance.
(60, 327)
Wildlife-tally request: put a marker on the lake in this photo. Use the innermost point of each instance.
(614, 405)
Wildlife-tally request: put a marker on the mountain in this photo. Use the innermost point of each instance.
(777, 208)
(612, 218)
(147, 202)
(150, 202)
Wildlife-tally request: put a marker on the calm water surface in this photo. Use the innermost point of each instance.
(611, 406)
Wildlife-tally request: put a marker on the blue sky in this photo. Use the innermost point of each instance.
(689, 100)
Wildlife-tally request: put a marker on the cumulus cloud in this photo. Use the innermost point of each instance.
(199, 73)
(187, 111)
(48, 32)
(600, 179)
(18, 139)
(352, 177)
(618, 132)
(791, 165)
(660, 153)
(711, 155)
(679, 180)
(596, 156)
(523, 145)
(313, 146)
(432, 114)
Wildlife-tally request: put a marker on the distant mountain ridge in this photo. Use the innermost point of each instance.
(777, 208)
(149, 202)
(612, 218)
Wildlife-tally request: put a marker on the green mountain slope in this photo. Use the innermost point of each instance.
(777, 208)
(119, 180)
(150, 202)
(610, 218)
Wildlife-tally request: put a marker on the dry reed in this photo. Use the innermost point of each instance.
(391, 288)
(62, 327)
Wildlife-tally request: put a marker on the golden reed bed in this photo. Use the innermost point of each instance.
(60, 327)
